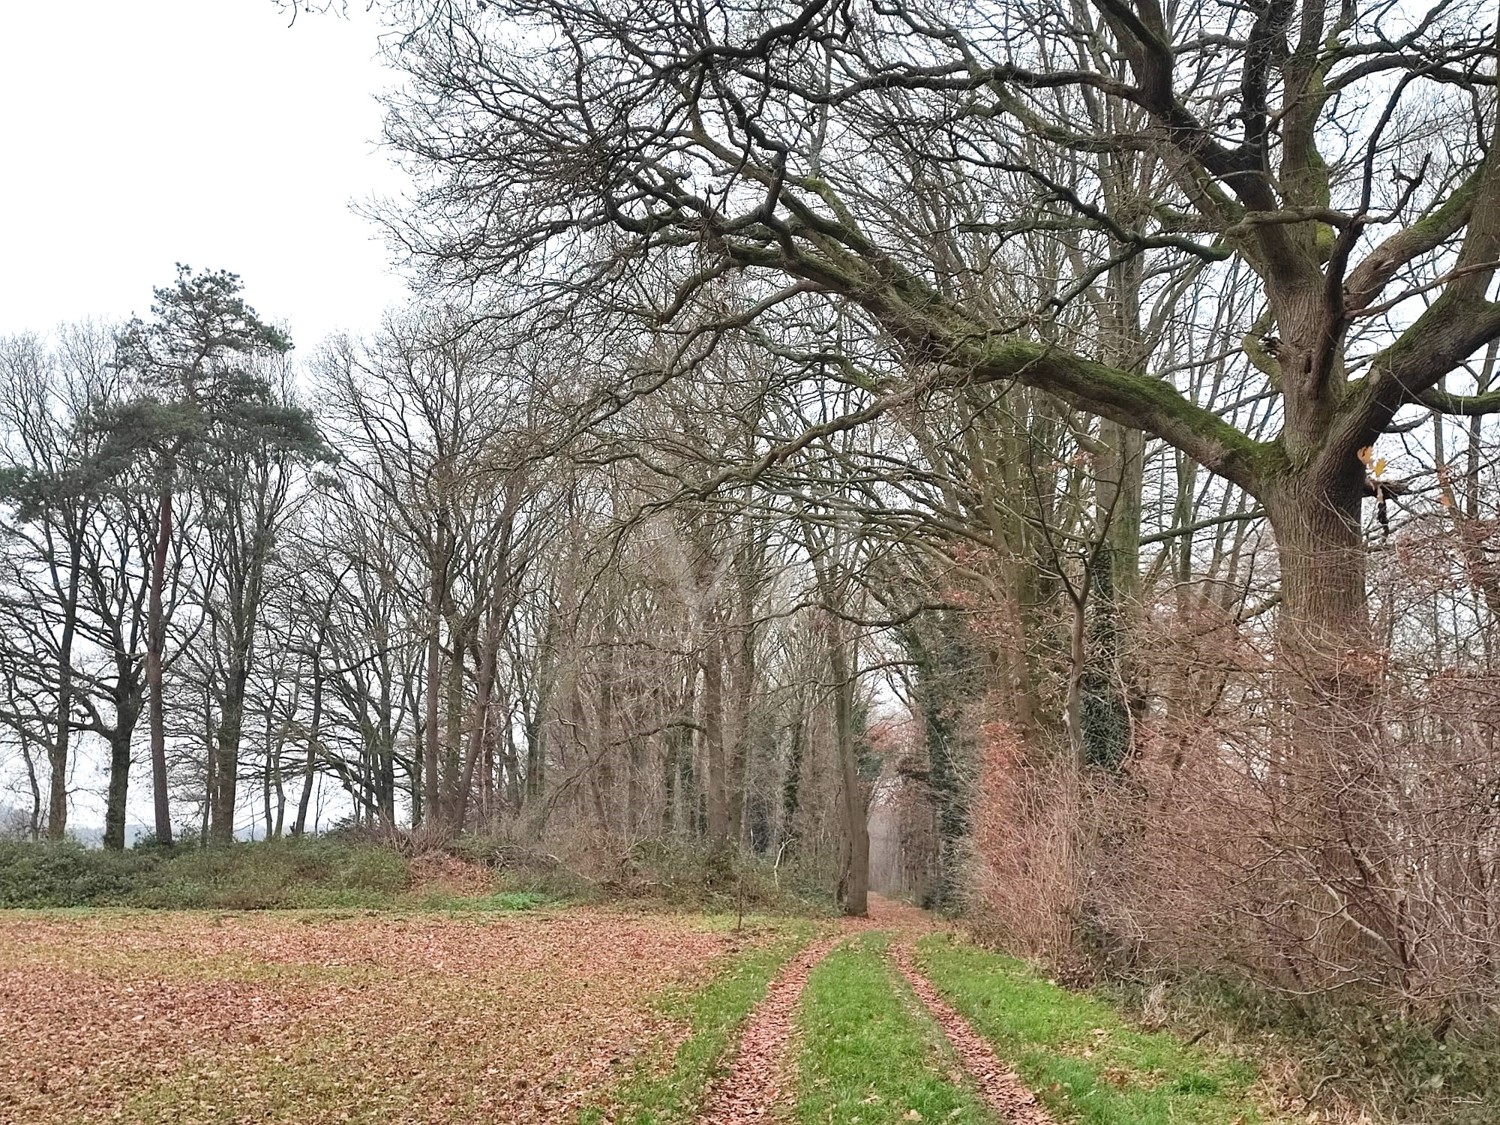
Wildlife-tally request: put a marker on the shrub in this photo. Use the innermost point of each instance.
(279, 873)
(676, 871)
(286, 873)
(65, 873)
(689, 873)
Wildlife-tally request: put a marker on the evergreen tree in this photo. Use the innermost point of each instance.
(202, 402)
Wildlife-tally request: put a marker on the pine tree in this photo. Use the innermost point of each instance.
(201, 402)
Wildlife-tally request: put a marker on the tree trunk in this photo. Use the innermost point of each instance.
(119, 782)
(265, 792)
(1327, 654)
(211, 766)
(1326, 777)
(57, 804)
(314, 732)
(275, 749)
(156, 638)
(856, 878)
(741, 659)
(224, 794)
(34, 821)
(1324, 615)
(1108, 682)
(126, 697)
(431, 744)
(451, 771)
(681, 793)
(1108, 691)
(489, 662)
(713, 736)
(385, 755)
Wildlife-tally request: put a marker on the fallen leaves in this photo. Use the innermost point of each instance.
(1000, 1086)
(277, 1017)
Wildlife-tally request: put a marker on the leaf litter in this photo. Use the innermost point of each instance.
(999, 1085)
(319, 1018)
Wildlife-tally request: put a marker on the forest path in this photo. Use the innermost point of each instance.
(763, 1062)
(763, 1066)
(999, 1085)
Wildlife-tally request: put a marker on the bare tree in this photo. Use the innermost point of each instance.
(774, 143)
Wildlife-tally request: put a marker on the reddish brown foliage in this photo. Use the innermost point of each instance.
(1026, 847)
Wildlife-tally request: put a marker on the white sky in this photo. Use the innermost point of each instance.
(142, 133)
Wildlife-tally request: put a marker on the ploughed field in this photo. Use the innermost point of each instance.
(583, 1015)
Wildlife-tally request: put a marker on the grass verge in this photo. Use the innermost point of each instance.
(667, 1087)
(1336, 1052)
(870, 1054)
(1082, 1060)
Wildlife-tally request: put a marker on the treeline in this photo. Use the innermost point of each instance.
(408, 570)
(1142, 357)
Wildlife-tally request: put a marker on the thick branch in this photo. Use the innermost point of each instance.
(939, 333)
(1131, 399)
(1372, 275)
(1469, 406)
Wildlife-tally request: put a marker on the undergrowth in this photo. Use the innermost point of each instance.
(287, 873)
(668, 872)
(1345, 1052)
(350, 871)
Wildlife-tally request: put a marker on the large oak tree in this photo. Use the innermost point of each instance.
(1346, 154)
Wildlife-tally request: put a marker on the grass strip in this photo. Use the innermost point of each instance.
(870, 1054)
(1085, 1063)
(659, 1094)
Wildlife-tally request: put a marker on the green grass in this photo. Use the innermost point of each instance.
(1082, 1059)
(499, 902)
(668, 1090)
(870, 1054)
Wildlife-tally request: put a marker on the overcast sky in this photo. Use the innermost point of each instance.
(138, 134)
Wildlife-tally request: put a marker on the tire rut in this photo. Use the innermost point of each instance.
(999, 1085)
(762, 1064)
